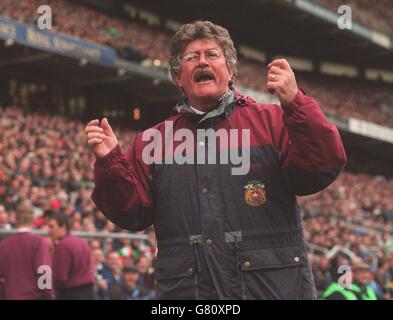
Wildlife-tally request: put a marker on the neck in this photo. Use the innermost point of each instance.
(24, 226)
(206, 105)
(61, 236)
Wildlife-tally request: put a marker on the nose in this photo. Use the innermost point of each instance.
(202, 60)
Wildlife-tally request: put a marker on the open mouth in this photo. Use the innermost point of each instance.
(203, 76)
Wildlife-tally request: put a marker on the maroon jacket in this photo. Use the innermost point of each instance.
(222, 235)
(72, 264)
(20, 257)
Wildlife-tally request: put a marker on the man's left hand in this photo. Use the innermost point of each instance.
(281, 80)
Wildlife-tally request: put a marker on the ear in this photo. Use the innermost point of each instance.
(230, 72)
(176, 77)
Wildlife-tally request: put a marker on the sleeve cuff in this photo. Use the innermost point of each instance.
(111, 158)
(296, 103)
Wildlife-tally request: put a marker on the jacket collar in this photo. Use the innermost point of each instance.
(228, 99)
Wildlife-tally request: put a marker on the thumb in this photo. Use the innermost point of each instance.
(107, 128)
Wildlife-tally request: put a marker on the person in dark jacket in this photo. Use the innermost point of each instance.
(73, 271)
(227, 223)
(127, 288)
(25, 261)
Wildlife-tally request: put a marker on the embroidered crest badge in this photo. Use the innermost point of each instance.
(255, 193)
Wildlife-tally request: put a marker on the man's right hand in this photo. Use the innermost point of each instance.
(100, 138)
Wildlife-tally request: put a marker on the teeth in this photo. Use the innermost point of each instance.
(203, 77)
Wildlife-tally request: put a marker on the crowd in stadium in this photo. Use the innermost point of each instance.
(366, 101)
(45, 159)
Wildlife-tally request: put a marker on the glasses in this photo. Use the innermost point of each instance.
(210, 55)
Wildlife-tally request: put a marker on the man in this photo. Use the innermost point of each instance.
(145, 279)
(127, 288)
(72, 264)
(362, 276)
(359, 289)
(25, 261)
(111, 270)
(220, 234)
(101, 285)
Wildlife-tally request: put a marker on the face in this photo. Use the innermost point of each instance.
(97, 256)
(362, 276)
(204, 73)
(143, 265)
(114, 261)
(130, 279)
(54, 230)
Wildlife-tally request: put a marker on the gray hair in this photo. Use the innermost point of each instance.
(202, 30)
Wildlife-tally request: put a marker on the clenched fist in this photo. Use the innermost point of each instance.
(281, 80)
(100, 138)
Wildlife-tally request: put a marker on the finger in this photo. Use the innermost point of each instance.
(273, 77)
(91, 135)
(280, 63)
(94, 129)
(105, 125)
(277, 70)
(93, 122)
(270, 85)
(94, 141)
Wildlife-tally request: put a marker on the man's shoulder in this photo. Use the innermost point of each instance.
(29, 237)
(263, 111)
(161, 127)
(71, 240)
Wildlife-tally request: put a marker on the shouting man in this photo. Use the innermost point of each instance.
(222, 235)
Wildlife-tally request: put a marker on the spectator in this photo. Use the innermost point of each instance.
(127, 288)
(111, 271)
(362, 277)
(22, 257)
(72, 266)
(146, 279)
(101, 285)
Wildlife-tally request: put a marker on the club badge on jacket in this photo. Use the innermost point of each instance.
(255, 193)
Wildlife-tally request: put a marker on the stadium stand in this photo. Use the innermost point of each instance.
(363, 100)
(377, 15)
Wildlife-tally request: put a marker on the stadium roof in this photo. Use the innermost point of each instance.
(129, 77)
(277, 27)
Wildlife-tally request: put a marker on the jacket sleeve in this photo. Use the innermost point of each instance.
(311, 151)
(121, 188)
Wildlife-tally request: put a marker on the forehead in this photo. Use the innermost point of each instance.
(53, 222)
(201, 44)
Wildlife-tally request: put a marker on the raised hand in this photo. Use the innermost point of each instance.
(100, 138)
(281, 81)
